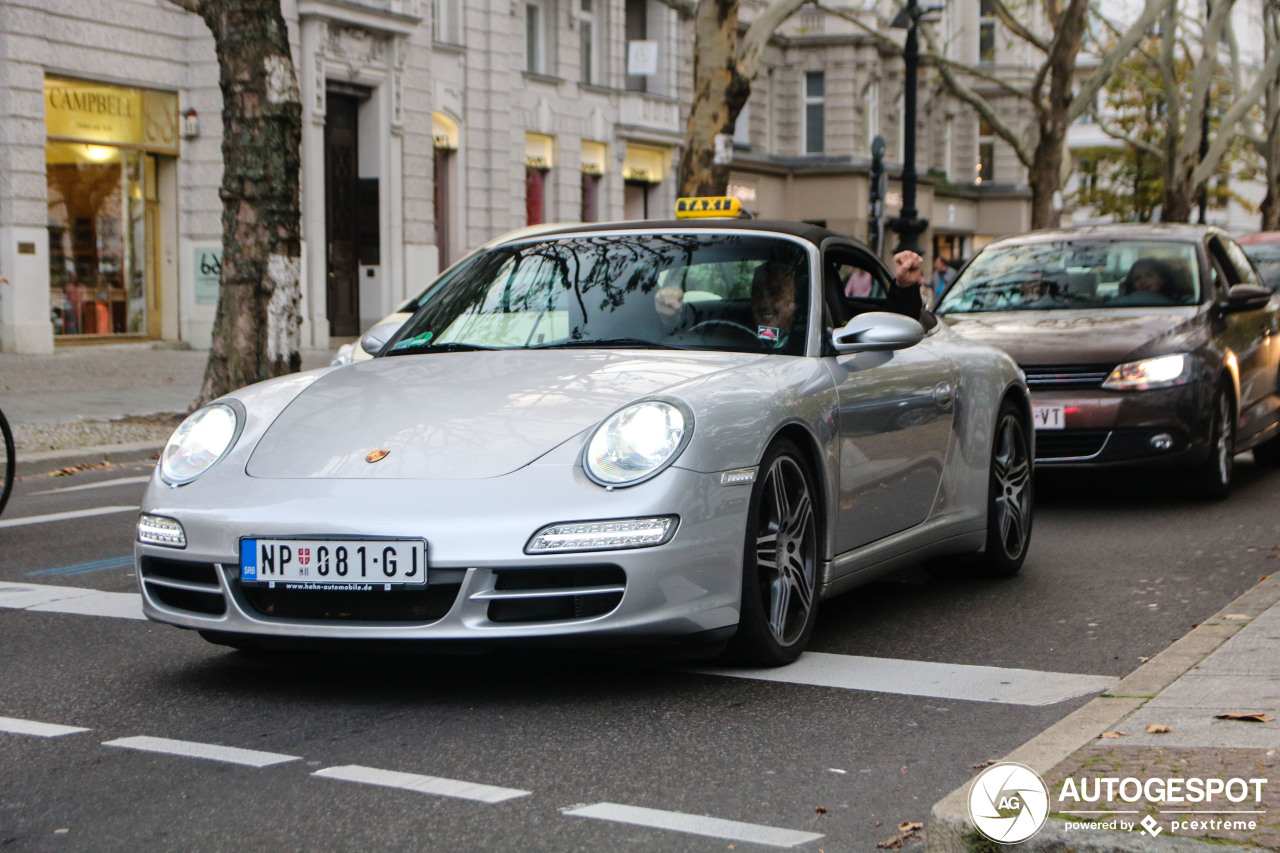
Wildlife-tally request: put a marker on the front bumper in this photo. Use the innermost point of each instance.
(481, 584)
(1164, 426)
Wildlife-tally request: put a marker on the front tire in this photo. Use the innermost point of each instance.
(1009, 496)
(1211, 479)
(780, 562)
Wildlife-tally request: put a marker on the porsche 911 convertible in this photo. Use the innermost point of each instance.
(647, 432)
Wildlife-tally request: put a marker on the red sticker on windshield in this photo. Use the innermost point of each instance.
(767, 333)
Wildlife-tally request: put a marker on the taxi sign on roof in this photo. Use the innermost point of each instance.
(710, 207)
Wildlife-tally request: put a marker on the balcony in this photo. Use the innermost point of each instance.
(652, 113)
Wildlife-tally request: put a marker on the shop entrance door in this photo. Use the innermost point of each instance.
(341, 184)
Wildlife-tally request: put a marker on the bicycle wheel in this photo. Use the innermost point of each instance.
(8, 461)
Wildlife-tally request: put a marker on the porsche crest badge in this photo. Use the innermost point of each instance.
(375, 455)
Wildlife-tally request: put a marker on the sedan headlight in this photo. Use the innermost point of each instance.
(637, 443)
(1163, 371)
(201, 440)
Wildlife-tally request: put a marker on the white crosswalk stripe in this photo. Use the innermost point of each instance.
(421, 784)
(210, 751)
(22, 521)
(1002, 685)
(730, 830)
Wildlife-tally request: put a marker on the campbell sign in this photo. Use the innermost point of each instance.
(82, 111)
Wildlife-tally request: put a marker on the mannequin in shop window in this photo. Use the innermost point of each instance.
(75, 293)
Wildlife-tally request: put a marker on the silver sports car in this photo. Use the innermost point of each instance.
(641, 432)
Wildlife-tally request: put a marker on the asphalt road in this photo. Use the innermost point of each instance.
(564, 752)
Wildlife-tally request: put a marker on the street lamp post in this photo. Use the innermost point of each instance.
(909, 226)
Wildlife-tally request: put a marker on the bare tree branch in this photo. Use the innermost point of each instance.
(1004, 16)
(1266, 77)
(931, 56)
(1098, 78)
(1203, 77)
(686, 9)
(1115, 132)
(1016, 141)
(759, 33)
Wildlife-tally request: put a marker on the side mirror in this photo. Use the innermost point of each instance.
(376, 338)
(1244, 297)
(877, 331)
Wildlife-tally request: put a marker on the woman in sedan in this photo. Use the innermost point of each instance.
(1149, 282)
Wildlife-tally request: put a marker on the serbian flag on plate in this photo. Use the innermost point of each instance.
(767, 333)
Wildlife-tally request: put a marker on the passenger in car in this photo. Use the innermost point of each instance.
(1149, 281)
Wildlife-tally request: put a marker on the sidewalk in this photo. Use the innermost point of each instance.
(1228, 664)
(82, 405)
(86, 404)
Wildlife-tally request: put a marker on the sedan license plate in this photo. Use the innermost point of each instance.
(343, 563)
(1048, 417)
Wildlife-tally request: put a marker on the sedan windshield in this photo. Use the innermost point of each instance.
(735, 292)
(1074, 274)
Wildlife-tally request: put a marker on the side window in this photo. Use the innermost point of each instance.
(1244, 270)
(1225, 273)
(852, 283)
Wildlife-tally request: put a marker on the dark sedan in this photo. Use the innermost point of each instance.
(1141, 344)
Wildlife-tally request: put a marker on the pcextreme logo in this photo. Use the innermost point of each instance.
(1008, 802)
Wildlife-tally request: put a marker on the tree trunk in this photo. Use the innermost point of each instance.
(1179, 193)
(1271, 111)
(1045, 173)
(256, 329)
(719, 92)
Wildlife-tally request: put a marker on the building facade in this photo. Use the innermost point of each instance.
(428, 129)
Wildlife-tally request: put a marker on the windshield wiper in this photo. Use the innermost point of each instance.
(608, 343)
(450, 347)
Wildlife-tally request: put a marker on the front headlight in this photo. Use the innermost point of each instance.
(1163, 371)
(637, 442)
(201, 440)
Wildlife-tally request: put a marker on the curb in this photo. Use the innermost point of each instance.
(52, 460)
(949, 830)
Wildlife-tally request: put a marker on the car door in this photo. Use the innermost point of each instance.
(894, 415)
(1254, 337)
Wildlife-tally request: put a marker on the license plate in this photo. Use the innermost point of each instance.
(346, 563)
(1048, 417)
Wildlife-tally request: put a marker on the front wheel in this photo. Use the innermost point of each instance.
(780, 563)
(1009, 496)
(1211, 479)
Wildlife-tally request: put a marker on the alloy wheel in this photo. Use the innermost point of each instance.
(1012, 498)
(786, 550)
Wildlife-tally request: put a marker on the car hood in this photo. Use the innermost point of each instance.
(1075, 337)
(466, 415)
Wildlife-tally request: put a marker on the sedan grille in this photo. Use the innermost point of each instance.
(1066, 375)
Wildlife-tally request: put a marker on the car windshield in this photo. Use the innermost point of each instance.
(1075, 274)
(1266, 257)
(690, 290)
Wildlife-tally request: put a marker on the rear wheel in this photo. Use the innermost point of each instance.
(1211, 479)
(1009, 496)
(780, 563)
(8, 462)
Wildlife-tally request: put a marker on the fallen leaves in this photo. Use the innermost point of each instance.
(1253, 717)
(1113, 734)
(986, 763)
(1157, 729)
(906, 832)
